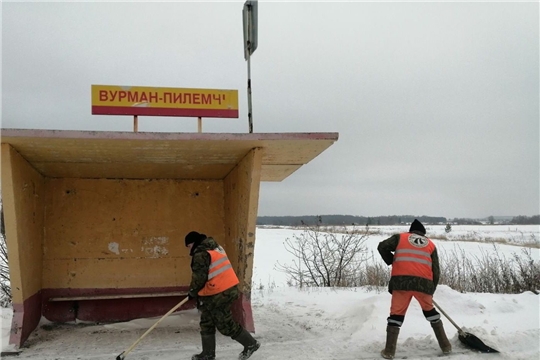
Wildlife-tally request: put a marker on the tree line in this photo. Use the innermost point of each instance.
(340, 220)
(334, 220)
(526, 220)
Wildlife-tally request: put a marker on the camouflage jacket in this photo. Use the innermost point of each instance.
(409, 283)
(200, 263)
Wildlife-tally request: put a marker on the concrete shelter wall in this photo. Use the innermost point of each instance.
(93, 214)
(117, 233)
(23, 199)
(241, 205)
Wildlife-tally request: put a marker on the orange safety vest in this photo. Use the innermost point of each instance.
(221, 275)
(413, 256)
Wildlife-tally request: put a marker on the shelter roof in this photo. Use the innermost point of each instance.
(153, 155)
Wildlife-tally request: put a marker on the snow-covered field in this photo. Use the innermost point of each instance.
(512, 234)
(320, 323)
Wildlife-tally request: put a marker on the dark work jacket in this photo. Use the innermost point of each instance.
(408, 283)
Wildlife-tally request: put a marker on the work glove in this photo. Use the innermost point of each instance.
(191, 295)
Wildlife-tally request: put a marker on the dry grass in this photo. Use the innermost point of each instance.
(488, 273)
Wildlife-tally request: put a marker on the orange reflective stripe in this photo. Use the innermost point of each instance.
(218, 267)
(413, 256)
(221, 275)
(420, 256)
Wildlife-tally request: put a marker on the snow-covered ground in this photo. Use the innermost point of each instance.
(320, 323)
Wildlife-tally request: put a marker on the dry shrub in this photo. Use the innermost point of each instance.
(490, 272)
(330, 257)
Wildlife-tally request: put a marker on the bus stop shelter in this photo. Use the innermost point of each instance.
(95, 221)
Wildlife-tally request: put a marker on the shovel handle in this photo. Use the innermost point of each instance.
(448, 317)
(124, 353)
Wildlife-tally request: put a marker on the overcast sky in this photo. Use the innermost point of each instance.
(436, 103)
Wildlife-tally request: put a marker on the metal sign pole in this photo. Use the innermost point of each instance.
(249, 14)
(250, 112)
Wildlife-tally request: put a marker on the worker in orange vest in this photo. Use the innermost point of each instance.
(415, 273)
(214, 285)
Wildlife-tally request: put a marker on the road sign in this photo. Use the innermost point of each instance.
(155, 101)
(249, 15)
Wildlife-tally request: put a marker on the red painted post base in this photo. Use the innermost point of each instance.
(242, 313)
(26, 318)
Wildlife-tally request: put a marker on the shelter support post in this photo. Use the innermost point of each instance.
(22, 197)
(241, 205)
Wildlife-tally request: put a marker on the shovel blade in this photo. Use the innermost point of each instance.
(473, 342)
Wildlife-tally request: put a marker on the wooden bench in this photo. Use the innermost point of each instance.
(120, 296)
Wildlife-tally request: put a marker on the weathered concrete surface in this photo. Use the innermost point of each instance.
(105, 214)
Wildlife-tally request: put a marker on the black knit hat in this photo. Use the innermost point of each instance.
(194, 237)
(417, 226)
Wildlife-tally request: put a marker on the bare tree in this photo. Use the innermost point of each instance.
(326, 256)
(5, 287)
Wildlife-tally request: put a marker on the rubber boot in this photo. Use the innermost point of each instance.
(250, 344)
(392, 333)
(208, 348)
(438, 329)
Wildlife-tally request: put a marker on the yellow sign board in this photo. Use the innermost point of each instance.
(154, 101)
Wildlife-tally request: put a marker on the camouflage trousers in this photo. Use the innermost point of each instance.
(216, 313)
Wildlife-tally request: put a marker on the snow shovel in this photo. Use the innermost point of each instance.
(468, 339)
(124, 353)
